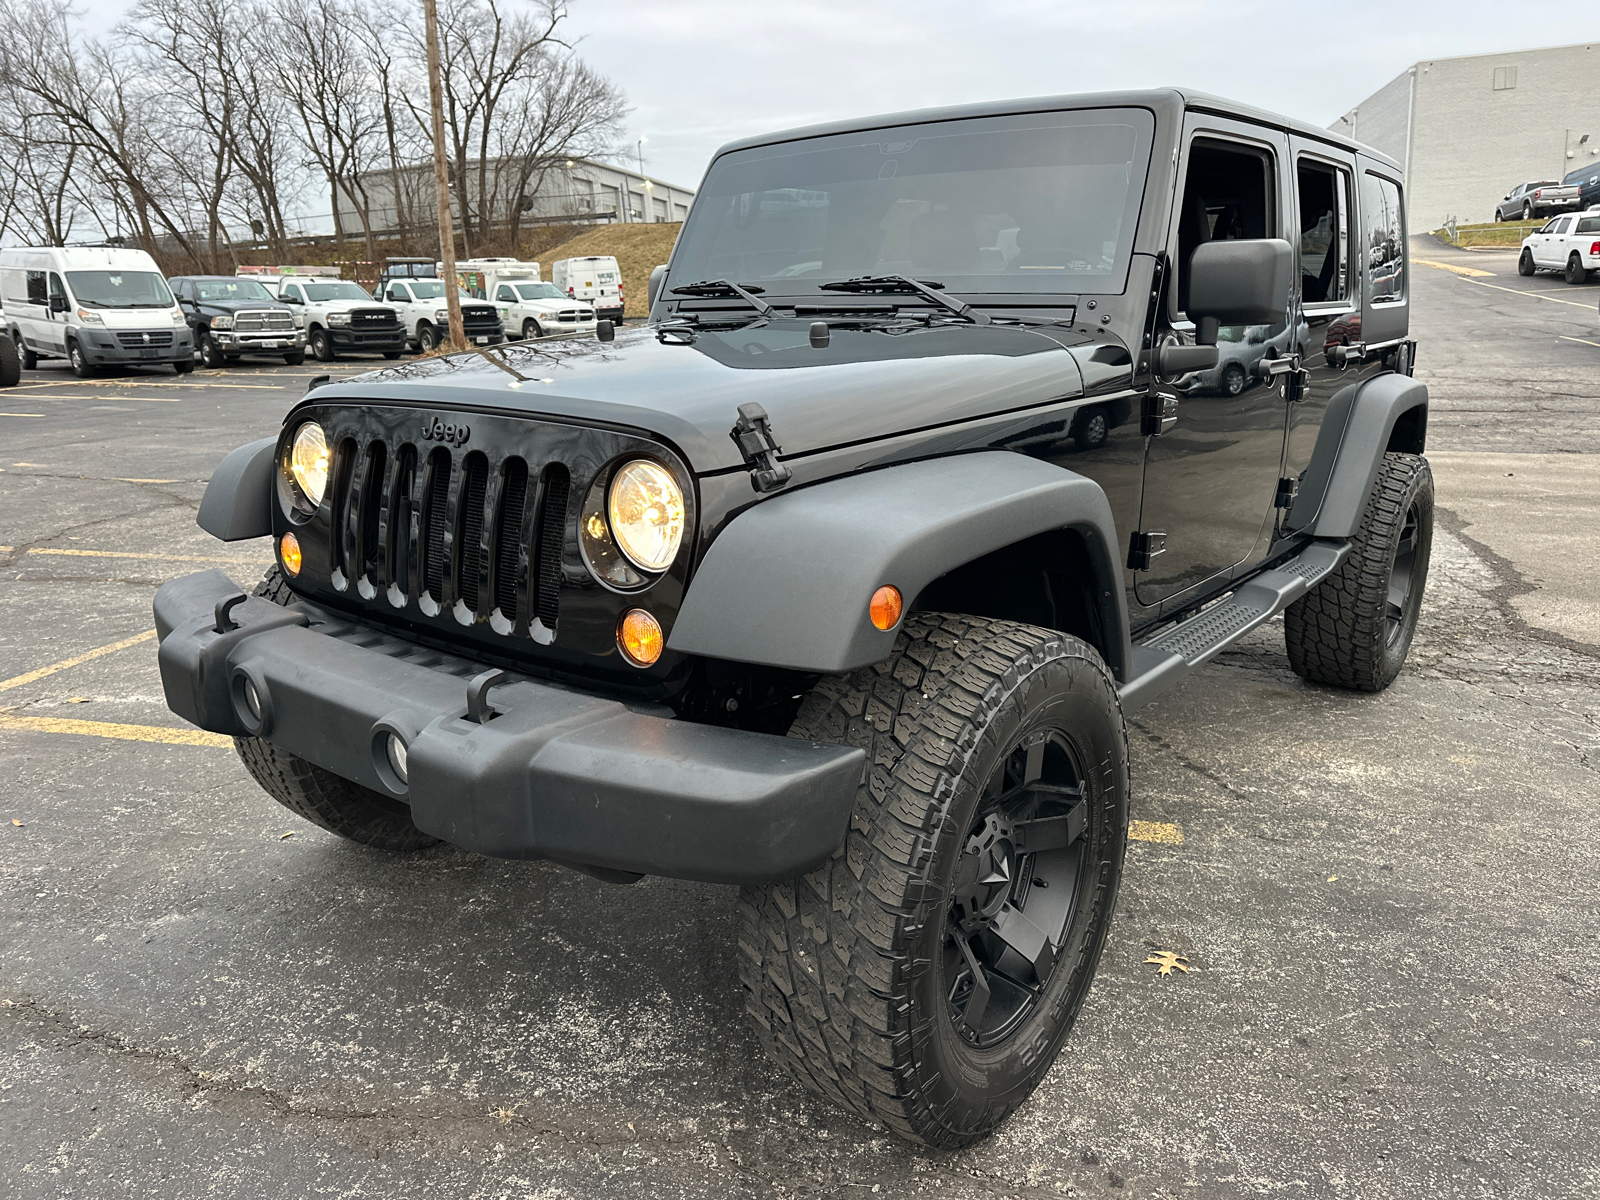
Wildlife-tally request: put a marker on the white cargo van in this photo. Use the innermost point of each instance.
(92, 306)
(596, 279)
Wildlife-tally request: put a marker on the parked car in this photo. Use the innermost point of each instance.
(760, 593)
(94, 307)
(1587, 181)
(596, 279)
(1568, 244)
(1530, 200)
(232, 317)
(338, 317)
(425, 315)
(540, 309)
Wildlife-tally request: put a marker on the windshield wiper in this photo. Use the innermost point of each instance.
(900, 283)
(721, 287)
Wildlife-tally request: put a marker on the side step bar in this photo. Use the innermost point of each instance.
(1164, 661)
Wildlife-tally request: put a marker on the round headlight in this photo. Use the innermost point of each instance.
(308, 461)
(645, 506)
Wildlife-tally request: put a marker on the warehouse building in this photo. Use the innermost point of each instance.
(1468, 130)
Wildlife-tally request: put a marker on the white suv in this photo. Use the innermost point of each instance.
(533, 309)
(1569, 244)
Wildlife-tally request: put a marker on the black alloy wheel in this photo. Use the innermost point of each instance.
(211, 355)
(321, 346)
(1399, 614)
(80, 364)
(1525, 262)
(1575, 270)
(1233, 379)
(1015, 890)
(427, 338)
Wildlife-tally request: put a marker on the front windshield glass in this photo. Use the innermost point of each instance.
(1043, 202)
(540, 291)
(119, 289)
(335, 291)
(431, 289)
(231, 289)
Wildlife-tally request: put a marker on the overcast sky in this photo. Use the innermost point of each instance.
(698, 73)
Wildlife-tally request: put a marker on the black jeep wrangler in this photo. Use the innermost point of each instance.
(816, 585)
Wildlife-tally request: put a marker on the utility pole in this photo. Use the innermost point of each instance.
(441, 180)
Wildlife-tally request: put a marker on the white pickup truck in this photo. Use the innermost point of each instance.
(423, 309)
(339, 317)
(533, 309)
(1569, 244)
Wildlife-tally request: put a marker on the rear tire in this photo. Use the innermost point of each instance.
(10, 364)
(321, 797)
(1575, 270)
(1525, 262)
(1527, 211)
(1354, 629)
(854, 974)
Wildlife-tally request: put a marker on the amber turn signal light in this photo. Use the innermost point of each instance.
(885, 607)
(289, 553)
(639, 638)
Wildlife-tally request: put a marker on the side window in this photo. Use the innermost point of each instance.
(1227, 195)
(37, 293)
(1566, 224)
(504, 293)
(57, 288)
(1324, 232)
(1384, 222)
(1589, 224)
(1550, 225)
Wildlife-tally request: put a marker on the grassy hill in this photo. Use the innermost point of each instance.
(637, 248)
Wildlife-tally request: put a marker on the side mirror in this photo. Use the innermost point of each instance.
(1239, 283)
(58, 303)
(654, 290)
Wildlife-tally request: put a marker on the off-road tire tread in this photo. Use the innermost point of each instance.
(321, 797)
(1336, 633)
(823, 959)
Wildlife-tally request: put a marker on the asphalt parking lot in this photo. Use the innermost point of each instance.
(1388, 904)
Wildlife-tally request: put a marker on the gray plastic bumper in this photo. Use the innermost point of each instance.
(557, 773)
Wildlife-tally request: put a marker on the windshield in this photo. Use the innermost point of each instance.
(119, 289)
(540, 291)
(335, 291)
(231, 289)
(431, 289)
(1042, 202)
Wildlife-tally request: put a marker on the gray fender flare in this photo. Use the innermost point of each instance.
(238, 501)
(1356, 430)
(788, 582)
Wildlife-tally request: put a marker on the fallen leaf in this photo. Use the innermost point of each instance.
(16, 822)
(1167, 960)
(1331, 878)
(77, 699)
(290, 834)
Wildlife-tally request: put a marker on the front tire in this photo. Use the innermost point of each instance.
(10, 364)
(184, 366)
(925, 977)
(427, 338)
(80, 363)
(391, 354)
(321, 346)
(530, 330)
(30, 360)
(295, 357)
(1525, 262)
(320, 796)
(1354, 629)
(211, 356)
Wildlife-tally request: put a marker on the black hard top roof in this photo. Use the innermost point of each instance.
(1173, 100)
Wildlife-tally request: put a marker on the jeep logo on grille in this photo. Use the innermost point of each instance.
(437, 431)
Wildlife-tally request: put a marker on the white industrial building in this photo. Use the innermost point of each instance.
(1470, 129)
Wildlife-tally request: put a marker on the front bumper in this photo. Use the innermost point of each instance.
(275, 341)
(102, 349)
(557, 774)
(344, 337)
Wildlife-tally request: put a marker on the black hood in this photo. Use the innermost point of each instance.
(242, 305)
(686, 385)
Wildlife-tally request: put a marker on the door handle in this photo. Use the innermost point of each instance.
(1269, 368)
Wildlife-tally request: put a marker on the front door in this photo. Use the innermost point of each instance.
(1210, 481)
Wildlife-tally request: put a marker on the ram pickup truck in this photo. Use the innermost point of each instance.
(1528, 201)
(540, 309)
(232, 317)
(1569, 244)
(808, 586)
(425, 315)
(339, 317)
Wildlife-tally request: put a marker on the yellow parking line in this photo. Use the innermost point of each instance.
(112, 729)
(1530, 295)
(1469, 272)
(1155, 831)
(214, 558)
(1585, 341)
(18, 680)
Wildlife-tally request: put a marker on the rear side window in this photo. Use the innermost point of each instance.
(1324, 232)
(1385, 238)
(38, 290)
(1589, 225)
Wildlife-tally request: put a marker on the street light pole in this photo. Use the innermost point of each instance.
(441, 180)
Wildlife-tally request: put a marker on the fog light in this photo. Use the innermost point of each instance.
(289, 553)
(252, 701)
(885, 607)
(397, 757)
(640, 638)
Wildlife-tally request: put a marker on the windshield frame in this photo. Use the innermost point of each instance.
(694, 259)
(73, 278)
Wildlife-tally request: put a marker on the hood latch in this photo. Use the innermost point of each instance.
(752, 433)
